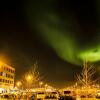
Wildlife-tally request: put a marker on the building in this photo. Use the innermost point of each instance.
(7, 75)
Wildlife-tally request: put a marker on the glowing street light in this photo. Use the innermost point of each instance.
(46, 85)
(18, 84)
(29, 80)
(40, 83)
(29, 77)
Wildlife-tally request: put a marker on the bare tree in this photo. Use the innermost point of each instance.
(86, 76)
(31, 77)
(85, 79)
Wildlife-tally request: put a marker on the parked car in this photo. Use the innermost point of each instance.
(50, 97)
(5, 96)
(33, 97)
(66, 98)
(56, 94)
(40, 95)
(98, 95)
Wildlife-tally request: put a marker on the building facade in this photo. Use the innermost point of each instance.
(7, 75)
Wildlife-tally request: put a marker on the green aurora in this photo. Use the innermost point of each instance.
(59, 32)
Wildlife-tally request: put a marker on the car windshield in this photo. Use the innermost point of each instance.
(67, 92)
(41, 93)
(54, 92)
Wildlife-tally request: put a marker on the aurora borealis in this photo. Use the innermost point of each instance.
(58, 34)
(70, 28)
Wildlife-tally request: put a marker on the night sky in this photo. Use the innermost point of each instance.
(58, 34)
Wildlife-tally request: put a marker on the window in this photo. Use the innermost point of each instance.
(4, 67)
(0, 80)
(6, 81)
(8, 69)
(1, 73)
(12, 71)
(6, 75)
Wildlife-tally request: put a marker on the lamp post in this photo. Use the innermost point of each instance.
(18, 84)
(29, 80)
(46, 85)
(40, 84)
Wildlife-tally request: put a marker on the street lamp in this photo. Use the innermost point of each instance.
(40, 83)
(29, 77)
(18, 84)
(29, 80)
(46, 85)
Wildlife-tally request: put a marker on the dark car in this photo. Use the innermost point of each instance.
(33, 97)
(66, 98)
(50, 97)
(6, 96)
